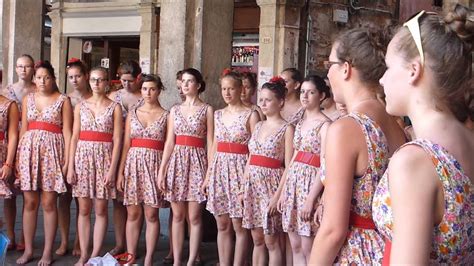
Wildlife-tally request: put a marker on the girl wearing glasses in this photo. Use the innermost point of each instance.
(184, 164)
(357, 150)
(292, 111)
(94, 156)
(42, 157)
(15, 92)
(233, 126)
(424, 203)
(145, 131)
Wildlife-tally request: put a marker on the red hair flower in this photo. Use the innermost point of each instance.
(38, 64)
(277, 79)
(73, 60)
(226, 72)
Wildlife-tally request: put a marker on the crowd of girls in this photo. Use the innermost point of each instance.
(308, 176)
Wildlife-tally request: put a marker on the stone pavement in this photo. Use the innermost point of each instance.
(208, 249)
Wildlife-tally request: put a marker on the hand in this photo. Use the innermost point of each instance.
(204, 186)
(161, 183)
(318, 214)
(17, 183)
(281, 203)
(6, 172)
(307, 210)
(71, 177)
(272, 206)
(109, 179)
(120, 183)
(241, 198)
(64, 170)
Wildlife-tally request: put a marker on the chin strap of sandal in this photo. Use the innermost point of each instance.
(124, 258)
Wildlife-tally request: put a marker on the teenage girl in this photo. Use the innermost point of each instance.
(249, 83)
(270, 149)
(42, 157)
(184, 165)
(292, 111)
(145, 131)
(233, 126)
(95, 151)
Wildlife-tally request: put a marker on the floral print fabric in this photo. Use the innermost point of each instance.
(453, 238)
(5, 189)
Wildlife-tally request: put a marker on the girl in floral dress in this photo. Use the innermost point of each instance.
(78, 77)
(95, 151)
(42, 157)
(184, 163)
(357, 150)
(9, 117)
(301, 184)
(224, 180)
(270, 149)
(424, 204)
(145, 130)
(25, 70)
(128, 97)
(249, 88)
(292, 111)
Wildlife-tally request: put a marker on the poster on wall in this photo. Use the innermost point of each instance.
(145, 65)
(264, 75)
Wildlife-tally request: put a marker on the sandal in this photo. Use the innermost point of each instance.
(124, 258)
(168, 261)
(20, 247)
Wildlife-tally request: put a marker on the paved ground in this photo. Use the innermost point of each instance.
(208, 249)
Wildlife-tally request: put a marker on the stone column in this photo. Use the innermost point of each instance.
(279, 34)
(22, 26)
(58, 44)
(148, 34)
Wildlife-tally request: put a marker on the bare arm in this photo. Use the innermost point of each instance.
(73, 145)
(67, 128)
(167, 150)
(123, 159)
(318, 185)
(13, 118)
(24, 116)
(210, 132)
(117, 141)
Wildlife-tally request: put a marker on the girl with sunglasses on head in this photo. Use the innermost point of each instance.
(271, 150)
(357, 149)
(145, 131)
(94, 157)
(424, 203)
(184, 163)
(42, 157)
(233, 126)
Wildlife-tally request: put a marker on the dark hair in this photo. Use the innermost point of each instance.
(198, 76)
(179, 74)
(101, 69)
(153, 78)
(295, 74)
(27, 56)
(252, 78)
(364, 49)
(130, 67)
(47, 65)
(236, 76)
(277, 86)
(74, 62)
(447, 43)
(320, 85)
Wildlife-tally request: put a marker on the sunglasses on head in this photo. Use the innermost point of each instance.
(413, 26)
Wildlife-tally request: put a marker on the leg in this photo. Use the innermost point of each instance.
(224, 239)
(259, 256)
(76, 251)
(275, 253)
(152, 232)
(30, 215)
(84, 229)
(169, 258)
(287, 250)
(9, 212)
(49, 201)
(241, 240)
(307, 244)
(120, 218)
(132, 228)
(100, 226)
(179, 214)
(298, 256)
(195, 234)
(64, 219)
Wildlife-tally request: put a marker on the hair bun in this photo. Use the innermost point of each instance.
(461, 21)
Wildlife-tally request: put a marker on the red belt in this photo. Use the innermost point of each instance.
(190, 141)
(230, 147)
(308, 158)
(386, 252)
(95, 136)
(38, 125)
(264, 161)
(147, 143)
(361, 222)
(2, 135)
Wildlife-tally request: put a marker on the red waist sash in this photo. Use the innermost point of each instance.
(230, 147)
(2, 135)
(308, 158)
(190, 141)
(95, 136)
(147, 143)
(264, 161)
(38, 125)
(361, 222)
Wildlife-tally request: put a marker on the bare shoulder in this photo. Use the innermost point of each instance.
(344, 128)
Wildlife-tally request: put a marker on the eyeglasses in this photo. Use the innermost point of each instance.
(94, 80)
(328, 64)
(414, 27)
